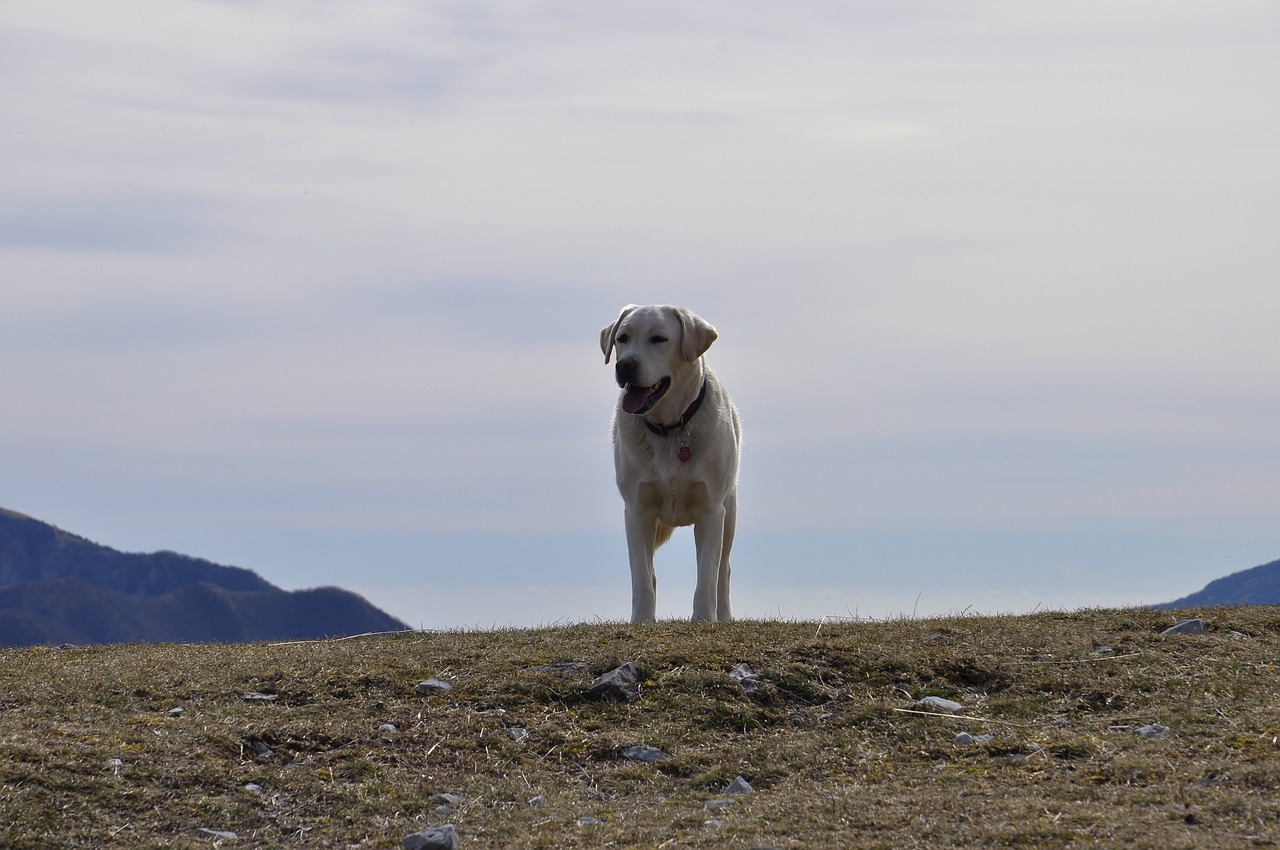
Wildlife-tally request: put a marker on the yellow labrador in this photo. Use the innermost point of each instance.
(676, 440)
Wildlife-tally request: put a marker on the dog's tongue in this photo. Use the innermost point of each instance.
(634, 398)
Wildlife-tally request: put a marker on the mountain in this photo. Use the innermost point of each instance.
(57, 587)
(1258, 586)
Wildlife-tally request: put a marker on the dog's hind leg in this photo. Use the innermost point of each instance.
(724, 610)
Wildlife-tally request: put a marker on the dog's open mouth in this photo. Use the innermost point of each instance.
(636, 399)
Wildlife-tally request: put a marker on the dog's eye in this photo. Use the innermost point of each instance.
(623, 338)
(657, 338)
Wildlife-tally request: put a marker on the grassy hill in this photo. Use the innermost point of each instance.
(290, 744)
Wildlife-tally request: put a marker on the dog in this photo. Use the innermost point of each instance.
(676, 445)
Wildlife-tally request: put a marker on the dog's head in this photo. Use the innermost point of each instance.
(656, 347)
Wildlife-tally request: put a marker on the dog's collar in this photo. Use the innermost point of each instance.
(664, 430)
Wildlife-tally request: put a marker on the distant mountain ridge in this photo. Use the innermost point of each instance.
(57, 587)
(1257, 586)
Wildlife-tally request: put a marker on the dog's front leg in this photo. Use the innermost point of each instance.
(644, 583)
(708, 535)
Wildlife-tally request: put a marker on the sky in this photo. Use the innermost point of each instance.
(315, 289)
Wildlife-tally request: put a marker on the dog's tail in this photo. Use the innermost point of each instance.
(663, 535)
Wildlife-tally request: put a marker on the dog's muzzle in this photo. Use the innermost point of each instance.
(637, 398)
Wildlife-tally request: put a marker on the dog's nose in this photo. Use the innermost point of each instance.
(625, 371)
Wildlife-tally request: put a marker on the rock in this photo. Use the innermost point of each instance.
(432, 687)
(942, 704)
(261, 750)
(387, 729)
(1185, 627)
(517, 733)
(719, 804)
(746, 677)
(217, 834)
(254, 696)
(647, 755)
(964, 739)
(175, 712)
(441, 838)
(620, 683)
(1154, 730)
(447, 799)
(253, 788)
(565, 668)
(739, 786)
(590, 821)
(537, 801)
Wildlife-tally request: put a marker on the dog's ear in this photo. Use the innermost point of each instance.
(697, 333)
(609, 333)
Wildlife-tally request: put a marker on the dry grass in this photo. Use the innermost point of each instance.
(91, 757)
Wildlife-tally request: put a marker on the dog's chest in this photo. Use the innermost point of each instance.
(677, 502)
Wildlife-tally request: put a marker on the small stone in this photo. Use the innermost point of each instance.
(942, 704)
(746, 677)
(537, 801)
(175, 712)
(388, 730)
(645, 754)
(964, 739)
(565, 668)
(447, 799)
(432, 687)
(217, 834)
(253, 788)
(719, 804)
(1185, 627)
(590, 821)
(620, 683)
(441, 838)
(1154, 730)
(254, 696)
(517, 733)
(115, 764)
(261, 750)
(739, 786)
